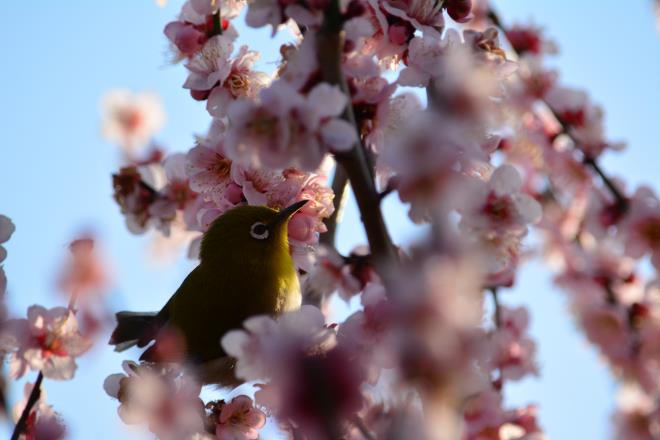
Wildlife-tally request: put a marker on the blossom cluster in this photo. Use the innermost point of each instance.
(498, 148)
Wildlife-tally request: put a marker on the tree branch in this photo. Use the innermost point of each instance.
(354, 162)
(35, 394)
(339, 186)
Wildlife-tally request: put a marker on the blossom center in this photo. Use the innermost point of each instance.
(238, 84)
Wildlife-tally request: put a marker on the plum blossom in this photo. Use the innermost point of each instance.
(583, 120)
(85, 274)
(164, 398)
(636, 416)
(48, 340)
(209, 66)
(131, 120)
(513, 350)
(196, 24)
(287, 129)
(439, 340)
(239, 420)
(641, 228)
(241, 82)
(334, 272)
(500, 205)
(496, 216)
(175, 195)
(263, 347)
(43, 423)
(209, 171)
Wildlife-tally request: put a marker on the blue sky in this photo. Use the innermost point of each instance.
(60, 57)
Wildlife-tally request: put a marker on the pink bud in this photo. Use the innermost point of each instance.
(301, 228)
(234, 193)
(185, 37)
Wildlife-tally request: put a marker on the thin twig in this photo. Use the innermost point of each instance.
(497, 307)
(217, 21)
(339, 186)
(35, 394)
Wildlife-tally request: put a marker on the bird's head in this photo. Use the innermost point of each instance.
(248, 230)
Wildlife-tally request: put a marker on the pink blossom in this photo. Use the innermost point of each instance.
(636, 416)
(187, 37)
(483, 413)
(423, 15)
(265, 12)
(514, 352)
(262, 349)
(85, 274)
(130, 119)
(439, 340)
(500, 205)
(176, 195)
(529, 40)
(162, 397)
(286, 129)
(642, 226)
(241, 82)
(43, 423)
(209, 66)
(240, 420)
(430, 155)
(209, 171)
(48, 340)
(584, 121)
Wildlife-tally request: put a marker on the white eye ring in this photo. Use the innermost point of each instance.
(259, 231)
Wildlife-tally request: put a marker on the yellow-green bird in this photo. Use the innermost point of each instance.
(245, 269)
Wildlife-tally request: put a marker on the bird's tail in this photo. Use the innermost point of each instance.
(134, 328)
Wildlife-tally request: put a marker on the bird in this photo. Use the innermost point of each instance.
(245, 269)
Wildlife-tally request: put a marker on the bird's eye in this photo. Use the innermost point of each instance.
(259, 231)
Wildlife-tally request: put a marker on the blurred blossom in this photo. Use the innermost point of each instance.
(162, 397)
(131, 119)
(6, 230)
(287, 129)
(84, 276)
(48, 340)
(637, 416)
(239, 420)
(641, 229)
(345, 275)
(42, 423)
(262, 349)
(495, 217)
(514, 351)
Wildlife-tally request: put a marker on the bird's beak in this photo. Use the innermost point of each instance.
(287, 212)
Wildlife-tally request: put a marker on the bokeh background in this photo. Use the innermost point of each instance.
(61, 57)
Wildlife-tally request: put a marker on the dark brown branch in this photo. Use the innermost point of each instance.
(217, 22)
(354, 162)
(497, 307)
(35, 394)
(339, 186)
